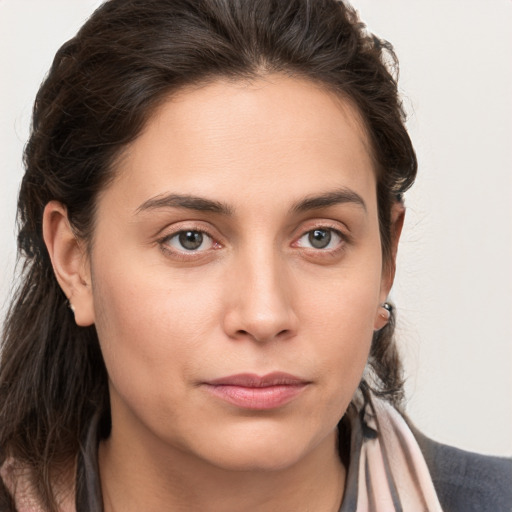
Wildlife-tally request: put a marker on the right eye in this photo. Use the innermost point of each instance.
(189, 240)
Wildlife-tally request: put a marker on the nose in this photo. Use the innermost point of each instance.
(260, 299)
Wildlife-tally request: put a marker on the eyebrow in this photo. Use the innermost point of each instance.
(340, 196)
(188, 202)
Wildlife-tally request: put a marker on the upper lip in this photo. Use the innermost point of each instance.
(252, 380)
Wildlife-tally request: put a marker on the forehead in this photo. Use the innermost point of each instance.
(255, 138)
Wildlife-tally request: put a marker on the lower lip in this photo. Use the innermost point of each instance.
(264, 398)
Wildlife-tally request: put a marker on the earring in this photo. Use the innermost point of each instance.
(387, 309)
(70, 306)
(383, 316)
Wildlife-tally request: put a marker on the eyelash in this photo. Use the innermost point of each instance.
(192, 254)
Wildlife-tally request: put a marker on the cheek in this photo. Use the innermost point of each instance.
(340, 317)
(344, 301)
(151, 326)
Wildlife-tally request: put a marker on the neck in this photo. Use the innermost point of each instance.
(146, 477)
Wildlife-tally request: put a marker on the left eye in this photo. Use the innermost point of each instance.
(320, 239)
(190, 240)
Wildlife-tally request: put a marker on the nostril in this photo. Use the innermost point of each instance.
(241, 333)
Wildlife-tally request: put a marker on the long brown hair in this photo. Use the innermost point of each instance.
(103, 86)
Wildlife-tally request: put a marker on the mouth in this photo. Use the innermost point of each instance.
(251, 391)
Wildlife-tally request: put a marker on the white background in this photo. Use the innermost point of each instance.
(454, 284)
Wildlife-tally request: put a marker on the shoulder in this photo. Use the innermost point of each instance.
(465, 481)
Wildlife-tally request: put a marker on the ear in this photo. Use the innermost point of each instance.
(70, 262)
(389, 267)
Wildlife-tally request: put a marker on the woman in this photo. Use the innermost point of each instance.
(210, 216)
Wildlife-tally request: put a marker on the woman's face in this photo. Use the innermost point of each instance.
(236, 273)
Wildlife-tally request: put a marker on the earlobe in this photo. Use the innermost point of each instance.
(69, 261)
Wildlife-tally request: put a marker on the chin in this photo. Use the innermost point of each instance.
(258, 460)
(264, 449)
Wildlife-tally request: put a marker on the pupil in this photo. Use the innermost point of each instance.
(319, 238)
(191, 240)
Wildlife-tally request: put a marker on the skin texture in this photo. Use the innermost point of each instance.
(256, 296)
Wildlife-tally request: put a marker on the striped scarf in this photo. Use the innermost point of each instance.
(387, 471)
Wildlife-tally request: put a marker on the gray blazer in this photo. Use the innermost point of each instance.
(465, 481)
